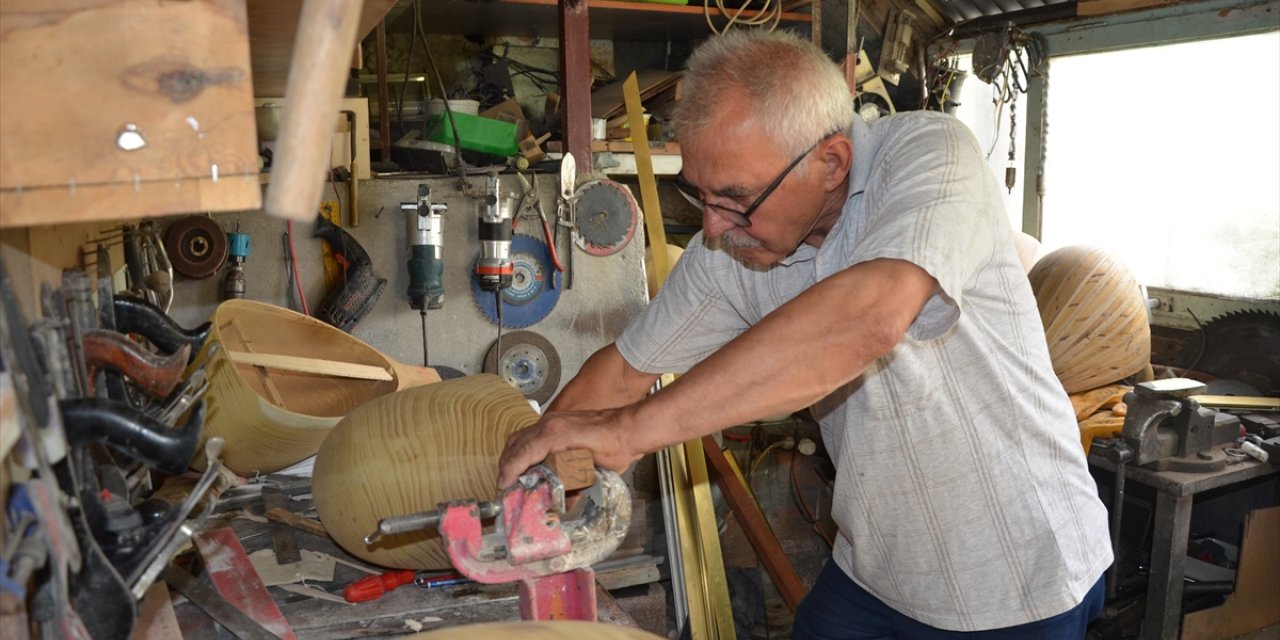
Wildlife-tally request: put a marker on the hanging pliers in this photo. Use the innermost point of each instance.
(533, 201)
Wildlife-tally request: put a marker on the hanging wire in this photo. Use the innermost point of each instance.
(768, 16)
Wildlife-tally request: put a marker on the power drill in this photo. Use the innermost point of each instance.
(233, 283)
(494, 269)
(424, 230)
(359, 288)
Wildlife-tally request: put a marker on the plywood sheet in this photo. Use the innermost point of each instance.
(174, 77)
(1256, 601)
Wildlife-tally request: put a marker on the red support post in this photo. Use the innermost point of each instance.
(575, 81)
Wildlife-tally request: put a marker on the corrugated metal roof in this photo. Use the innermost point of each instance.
(958, 11)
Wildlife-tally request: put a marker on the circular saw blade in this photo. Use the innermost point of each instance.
(607, 216)
(528, 362)
(534, 290)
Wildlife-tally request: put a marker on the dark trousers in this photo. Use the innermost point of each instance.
(838, 609)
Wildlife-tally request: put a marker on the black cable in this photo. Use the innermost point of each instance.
(425, 360)
(497, 350)
(448, 111)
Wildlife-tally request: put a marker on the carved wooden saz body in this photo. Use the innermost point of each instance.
(1094, 315)
(409, 451)
(276, 415)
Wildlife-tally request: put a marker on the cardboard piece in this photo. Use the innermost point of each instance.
(1256, 601)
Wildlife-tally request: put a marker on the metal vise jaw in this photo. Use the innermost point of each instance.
(530, 537)
(1170, 431)
(535, 540)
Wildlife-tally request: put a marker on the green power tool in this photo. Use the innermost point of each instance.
(424, 233)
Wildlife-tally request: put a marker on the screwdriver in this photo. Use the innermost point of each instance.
(373, 587)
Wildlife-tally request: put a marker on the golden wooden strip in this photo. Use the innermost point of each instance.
(1260, 403)
(267, 384)
(297, 521)
(315, 366)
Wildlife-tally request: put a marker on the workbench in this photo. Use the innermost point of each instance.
(1175, 492)
(404, 610)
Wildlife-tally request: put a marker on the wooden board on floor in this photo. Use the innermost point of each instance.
(1256, 601)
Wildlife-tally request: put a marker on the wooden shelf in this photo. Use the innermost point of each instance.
(610, 19)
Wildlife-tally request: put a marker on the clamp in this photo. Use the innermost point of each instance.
(535, 540)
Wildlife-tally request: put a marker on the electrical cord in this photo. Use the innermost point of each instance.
(770, 12)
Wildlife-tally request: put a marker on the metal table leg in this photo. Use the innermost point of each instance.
(1168, 559)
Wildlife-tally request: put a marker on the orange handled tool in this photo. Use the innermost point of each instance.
(372, 587)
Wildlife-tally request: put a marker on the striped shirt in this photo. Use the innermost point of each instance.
(962, 493)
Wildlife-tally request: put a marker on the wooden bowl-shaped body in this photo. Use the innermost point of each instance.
(409, 451)
(1029, 249)
(1094, 315)
(560, 630)
(272, 417)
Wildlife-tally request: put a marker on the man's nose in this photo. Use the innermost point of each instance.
(714, 224)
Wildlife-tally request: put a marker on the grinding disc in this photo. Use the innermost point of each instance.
(196, 246)
(607, 216)
(528, 362)
(534, 290)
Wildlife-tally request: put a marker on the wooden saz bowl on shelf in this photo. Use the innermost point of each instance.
(1095, 317)
(409, 451)
(279, 381)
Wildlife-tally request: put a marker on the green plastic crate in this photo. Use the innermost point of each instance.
(485, 135)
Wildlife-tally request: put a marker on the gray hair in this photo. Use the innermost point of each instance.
(798, 93)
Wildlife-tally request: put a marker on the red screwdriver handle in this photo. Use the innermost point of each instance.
(372, 587)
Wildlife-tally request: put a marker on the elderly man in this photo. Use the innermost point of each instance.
(867, 272)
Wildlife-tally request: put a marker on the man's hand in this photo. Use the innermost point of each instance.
(606, 433)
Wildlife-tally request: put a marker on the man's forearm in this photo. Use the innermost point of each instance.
(804, 350)
(605, 381)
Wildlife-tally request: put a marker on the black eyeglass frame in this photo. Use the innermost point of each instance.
(743, 218)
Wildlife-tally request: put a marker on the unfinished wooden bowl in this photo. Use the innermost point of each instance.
(1094, 315)
(1029, 249)
(409, 451)
(276, 414)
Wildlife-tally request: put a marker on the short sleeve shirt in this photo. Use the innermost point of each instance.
(962, 493)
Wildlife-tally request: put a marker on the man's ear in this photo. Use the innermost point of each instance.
(836, 154)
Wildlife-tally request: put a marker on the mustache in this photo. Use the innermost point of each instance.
(734, 239)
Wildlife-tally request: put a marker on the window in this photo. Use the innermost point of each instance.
(1169, 156)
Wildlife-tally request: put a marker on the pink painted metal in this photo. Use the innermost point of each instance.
(530, 554)
(236, 580)
(561, 596)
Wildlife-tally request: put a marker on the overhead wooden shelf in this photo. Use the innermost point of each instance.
(273, 24)
(610, 19)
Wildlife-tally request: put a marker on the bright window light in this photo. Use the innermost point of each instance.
(1169, 157)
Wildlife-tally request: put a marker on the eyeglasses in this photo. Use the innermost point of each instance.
(741, 218)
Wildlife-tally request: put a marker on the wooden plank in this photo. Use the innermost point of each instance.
(754, 525)
(1255, 403)
(273, 26)
(156, 619)
(1256, 601)
(297, 521)
(125, 200)
(314, 366)
(177, 73)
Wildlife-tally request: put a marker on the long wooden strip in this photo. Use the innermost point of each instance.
(333, 368)
(1257, 403)
(297, 521)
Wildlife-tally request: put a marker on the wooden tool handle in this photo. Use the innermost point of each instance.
(576, 468)
(317, 75)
